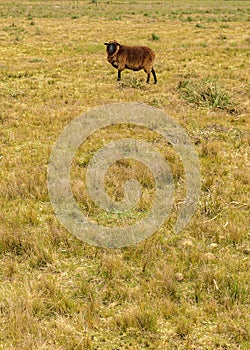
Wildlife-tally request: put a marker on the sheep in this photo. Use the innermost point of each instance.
(131, 57)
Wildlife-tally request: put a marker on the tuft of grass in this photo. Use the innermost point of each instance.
(134, 83)
(183, 327)
(206, 93)
(142, 318)
(155, 37)
(199, 25)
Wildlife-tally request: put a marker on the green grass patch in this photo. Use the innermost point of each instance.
(206, 93)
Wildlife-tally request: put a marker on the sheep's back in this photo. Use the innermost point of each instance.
(137, 57)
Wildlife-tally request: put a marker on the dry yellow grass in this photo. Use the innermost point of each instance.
(59, 293)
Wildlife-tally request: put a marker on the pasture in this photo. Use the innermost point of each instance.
(172, 291)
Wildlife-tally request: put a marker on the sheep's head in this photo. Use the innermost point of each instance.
(112, 47)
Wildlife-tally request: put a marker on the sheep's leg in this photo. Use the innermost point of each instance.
(119, 75)
(148, 70)
(154, 75)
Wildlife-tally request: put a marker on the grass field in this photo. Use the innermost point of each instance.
(173, 291)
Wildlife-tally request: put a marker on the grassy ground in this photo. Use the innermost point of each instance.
(173, 291)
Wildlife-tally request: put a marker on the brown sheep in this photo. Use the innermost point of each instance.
(131, 57)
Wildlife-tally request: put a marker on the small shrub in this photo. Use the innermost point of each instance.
(155, 37)
(199, 25)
